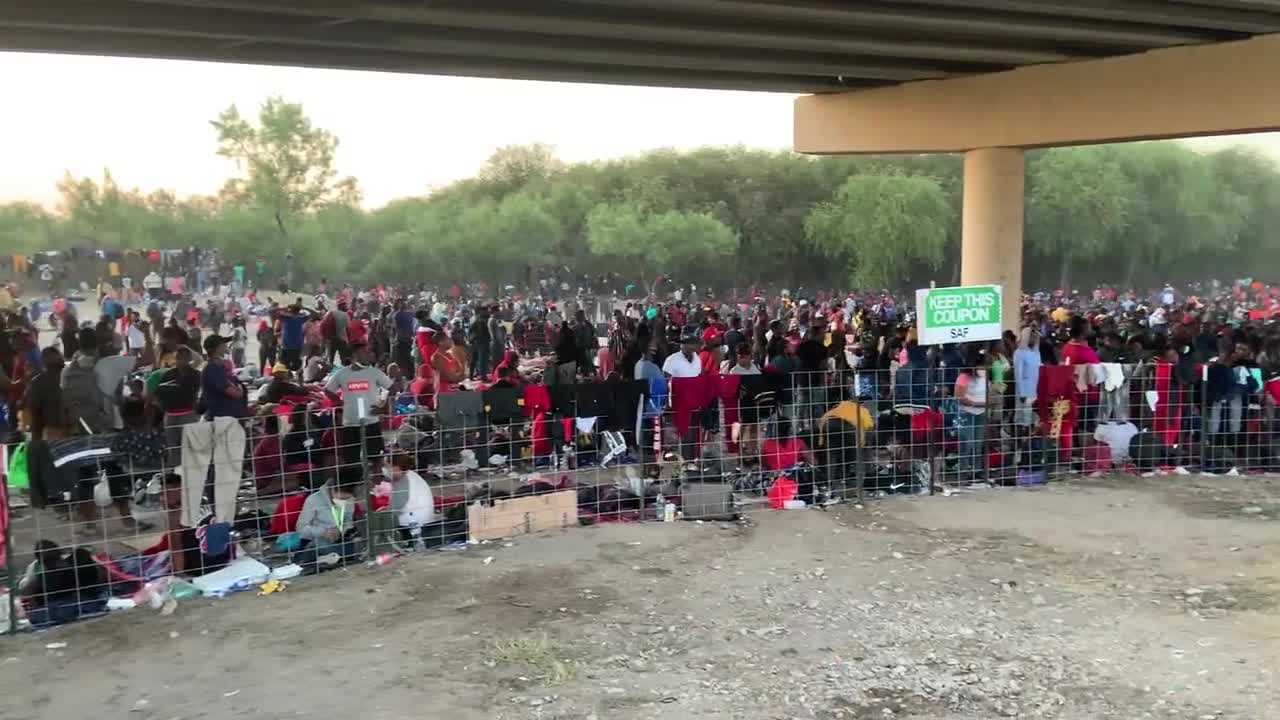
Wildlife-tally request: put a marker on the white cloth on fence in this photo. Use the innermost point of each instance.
(220, 441)
(1113, 374)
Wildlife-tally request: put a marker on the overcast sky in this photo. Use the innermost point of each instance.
(148, 120)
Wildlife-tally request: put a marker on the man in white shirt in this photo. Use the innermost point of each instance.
(153, 283)
(686, 363)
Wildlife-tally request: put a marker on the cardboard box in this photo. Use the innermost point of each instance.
(522, 516)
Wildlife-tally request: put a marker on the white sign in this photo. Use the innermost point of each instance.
(958, 314)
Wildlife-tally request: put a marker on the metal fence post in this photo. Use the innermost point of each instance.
(370, 545)
(11, 559)
(1204, 417)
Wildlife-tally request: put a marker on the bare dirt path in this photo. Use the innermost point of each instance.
(1104, 599)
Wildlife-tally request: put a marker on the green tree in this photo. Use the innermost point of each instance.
(662, 242)
(1178, 209)
(26, 227)
(1250, 175)
(881, 227)
(1078, 205)
(512, 167)
(286, 163)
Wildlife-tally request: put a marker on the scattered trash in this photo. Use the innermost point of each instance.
(55, 646)
(1252, 510)
(286, 572)
(233, 693)
(488, 560)
(174, 634)
(121, 603)
(272, 586)
(169, 606)
(384, 558)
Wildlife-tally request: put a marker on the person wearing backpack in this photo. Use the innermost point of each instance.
(90, 396)
(80, 395)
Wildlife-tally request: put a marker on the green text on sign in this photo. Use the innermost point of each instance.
(975, 305)
(958, 314)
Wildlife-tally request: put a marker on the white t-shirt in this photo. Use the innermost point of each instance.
(677, 366)
(976, 393)
(1117, 437)
(136, 339)
(152, 281)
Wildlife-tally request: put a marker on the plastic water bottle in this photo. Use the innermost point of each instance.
(660, 506)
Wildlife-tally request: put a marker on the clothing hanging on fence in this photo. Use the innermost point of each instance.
(1168, 412)
(1115, 392)
(220, 441)
(1057, 403)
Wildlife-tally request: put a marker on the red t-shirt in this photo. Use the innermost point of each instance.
(780, 455)
(1074, 353)
(358, 332)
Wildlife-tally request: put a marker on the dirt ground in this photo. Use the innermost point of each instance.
(1119, 598)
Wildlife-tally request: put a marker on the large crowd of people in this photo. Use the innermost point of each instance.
(326, 401)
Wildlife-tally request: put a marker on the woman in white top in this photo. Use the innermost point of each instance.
(971, 420)
(411, 498)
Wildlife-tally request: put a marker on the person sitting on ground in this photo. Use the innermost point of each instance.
(411, 497)
(281, 386)
(327, 523)
(196, 550)
(784, 450)
(61, 586)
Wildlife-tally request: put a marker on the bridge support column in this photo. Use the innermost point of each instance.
(991, 234)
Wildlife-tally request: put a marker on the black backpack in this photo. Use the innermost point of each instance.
(1147, 451)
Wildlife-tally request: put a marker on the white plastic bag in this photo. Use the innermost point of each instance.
(102, 491)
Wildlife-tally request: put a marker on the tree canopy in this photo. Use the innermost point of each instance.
(1142, 212)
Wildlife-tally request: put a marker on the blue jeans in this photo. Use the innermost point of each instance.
(971, 431)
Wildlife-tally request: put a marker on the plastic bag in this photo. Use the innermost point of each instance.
(19, 477)
(102, 491)
(782, 490)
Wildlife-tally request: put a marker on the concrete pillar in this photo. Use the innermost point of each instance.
(991, 234)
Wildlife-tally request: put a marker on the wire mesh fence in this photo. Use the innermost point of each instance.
(178, 505)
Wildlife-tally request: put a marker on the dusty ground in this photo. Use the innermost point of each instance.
(1119, 599)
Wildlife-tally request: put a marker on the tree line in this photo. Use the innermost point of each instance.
(1134, 214)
